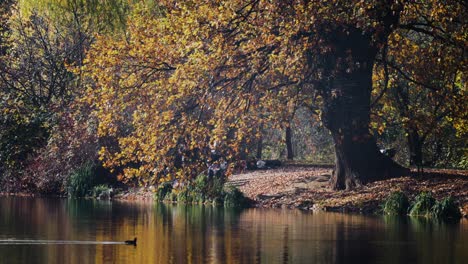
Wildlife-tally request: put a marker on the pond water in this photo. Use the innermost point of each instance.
(34, 230)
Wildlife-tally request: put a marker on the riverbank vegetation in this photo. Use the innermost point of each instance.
(156, 94)
(424, 205)
(203, 190)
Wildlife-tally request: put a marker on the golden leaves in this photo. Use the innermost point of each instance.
(216, 71)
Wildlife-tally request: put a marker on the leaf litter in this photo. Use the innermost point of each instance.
(307, 188)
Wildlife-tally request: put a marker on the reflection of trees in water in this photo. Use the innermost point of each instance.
(197, 234)
(204, 234)
(354, 239)
(399, 238)
(437, 241)
(285, 245)
(39, 218)
(258, 246)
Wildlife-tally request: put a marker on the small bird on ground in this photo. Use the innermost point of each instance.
(131, 242)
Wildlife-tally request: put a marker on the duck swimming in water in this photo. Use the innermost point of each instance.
(131, 242)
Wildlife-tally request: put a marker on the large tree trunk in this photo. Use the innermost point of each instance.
(289, 148)
(346, 113)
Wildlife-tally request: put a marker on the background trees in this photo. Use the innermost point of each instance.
(421, 82)
(209, 67)
(166, 85)
(40, 141)
(36, 86)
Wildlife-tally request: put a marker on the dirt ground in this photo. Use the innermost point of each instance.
(306, 187)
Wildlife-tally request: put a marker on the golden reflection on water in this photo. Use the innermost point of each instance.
(204, 234)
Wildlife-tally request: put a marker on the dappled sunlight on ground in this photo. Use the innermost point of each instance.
(307, 188)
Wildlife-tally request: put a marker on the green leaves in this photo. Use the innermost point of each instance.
(396, 204)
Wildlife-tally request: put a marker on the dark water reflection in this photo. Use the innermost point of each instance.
(195, 234)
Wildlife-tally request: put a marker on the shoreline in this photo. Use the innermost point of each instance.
(306, 188)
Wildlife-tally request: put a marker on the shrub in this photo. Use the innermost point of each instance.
(200, 184)
(423, 204)
(200, 189)
(215, 189)
(218, 201)
(198, 197)
(447, 208)
(184, 195)
(171, 196)
(163, 189)
(234, 197)
(463, 163)
(82, 180)
(102, 191)
(396, 204)
(205, 189)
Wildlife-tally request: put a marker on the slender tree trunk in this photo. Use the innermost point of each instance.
(243, 150)
(259, 148)
(346, 113)
(415, 145)
(260, 143)
(289, 147)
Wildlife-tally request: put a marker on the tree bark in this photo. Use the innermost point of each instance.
(259, 148)
(415, 144)
(289, 148)
(346, 113)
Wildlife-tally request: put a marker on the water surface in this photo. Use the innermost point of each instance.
(35, 230)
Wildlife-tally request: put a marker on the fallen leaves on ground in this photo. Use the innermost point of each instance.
(307, 188)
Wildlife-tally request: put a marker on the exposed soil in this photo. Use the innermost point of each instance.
(307, 188)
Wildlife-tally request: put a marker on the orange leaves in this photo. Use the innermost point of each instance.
(215, 71)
